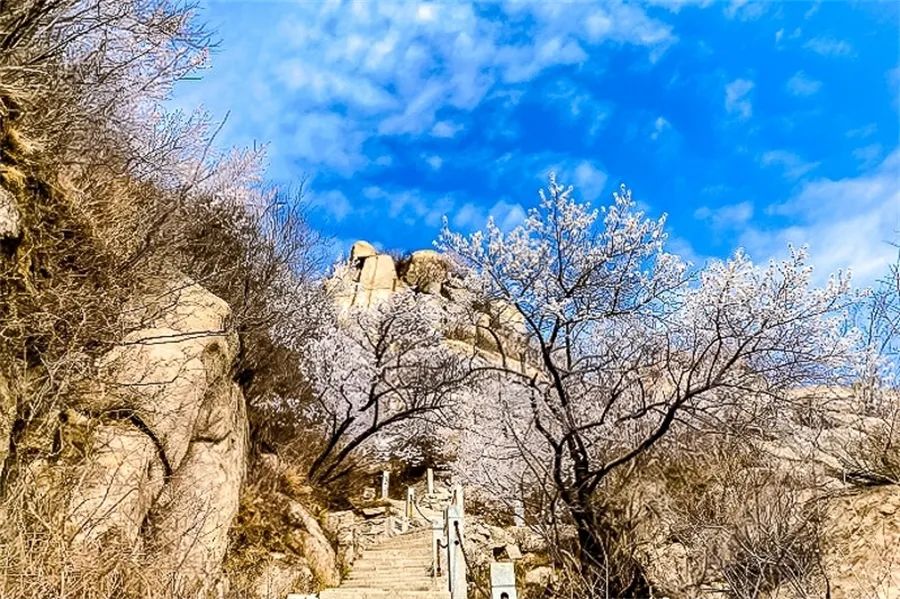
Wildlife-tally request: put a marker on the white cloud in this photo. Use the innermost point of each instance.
(736, 98)
(829, 46)
(792, 165)
(813, 9)
(728, 217)
(847, 223)
(676, 5)
(313, 136)
(745, 10)
(862, 132)
(659, 125)
(411, 207)
(322, 85)
(683, 248)
(445, 129)
(333, 203)
(868, 155)
(802, 85)
(468, 216)
(506, 215)
(389, 68)
(589, 180)
(579, 106)
(435, 162)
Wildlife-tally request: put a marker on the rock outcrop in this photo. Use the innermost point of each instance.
(808, 480)
(314, 545)
(370, 277)
(10, 227)
(166, 430)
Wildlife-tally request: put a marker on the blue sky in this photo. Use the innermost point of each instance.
(750, 124)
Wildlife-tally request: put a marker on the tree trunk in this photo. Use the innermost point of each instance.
(607, 569)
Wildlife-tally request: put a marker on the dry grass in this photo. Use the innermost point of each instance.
(112, 204)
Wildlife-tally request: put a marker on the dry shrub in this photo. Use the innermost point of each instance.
(40, 558)
(614, 568)
(263, 526)
(773, 542)
(743, 524)
(874, 459)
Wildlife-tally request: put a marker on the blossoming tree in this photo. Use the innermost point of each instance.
(380, 376)
(624, 342)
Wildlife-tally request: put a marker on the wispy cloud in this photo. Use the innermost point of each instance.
(728, 217)
(745, 10)
(394, 66)
(589, 180)
(792, 165)
(829, 46)
(659, 125)
(737, 99)
(862, 132)
(413, 207)
(333, 203)
(868, 155)
(802, 85)
(445, 129)
(847, 223)
(471, 216)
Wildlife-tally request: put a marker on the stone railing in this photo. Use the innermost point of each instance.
(448, 549)
(448, 546)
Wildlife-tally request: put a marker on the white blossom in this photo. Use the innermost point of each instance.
(623, 342)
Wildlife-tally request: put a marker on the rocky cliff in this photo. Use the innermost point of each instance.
(151, 453)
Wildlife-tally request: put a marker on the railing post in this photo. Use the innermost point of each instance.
(458, 497)
(430, 477)
(408, 509)
(437, 536)
(519, 513)
(385, 482)
(410, 502)
(503, 581)
(456, 568)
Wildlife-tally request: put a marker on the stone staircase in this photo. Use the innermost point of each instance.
(397, 568)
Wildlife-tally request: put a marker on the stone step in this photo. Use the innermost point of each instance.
(398, 567)
(413, 548)
(405, 546)
(393, 585)
(397, 564)
(366, 593)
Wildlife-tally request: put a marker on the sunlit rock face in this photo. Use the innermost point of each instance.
(10, 227)
(369, 277)
(167, 430)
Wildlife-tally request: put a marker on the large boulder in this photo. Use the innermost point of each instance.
(368, 278)
(427, 271)
(165, 428)
(361, 250)
(862, 544)
(10, 221)
(309, 540)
